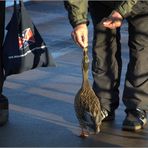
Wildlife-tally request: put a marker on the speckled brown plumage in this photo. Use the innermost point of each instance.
(86, 103)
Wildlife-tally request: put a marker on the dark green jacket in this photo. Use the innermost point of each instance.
(78, 9)
(126, 7)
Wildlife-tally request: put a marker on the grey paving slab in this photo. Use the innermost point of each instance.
(41, 100)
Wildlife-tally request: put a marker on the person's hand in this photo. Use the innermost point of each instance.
(80, 35)
(113, 21)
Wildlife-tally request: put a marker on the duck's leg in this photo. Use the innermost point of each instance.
(97, 129)
(84, 133)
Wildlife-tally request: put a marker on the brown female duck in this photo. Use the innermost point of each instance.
(86, 103)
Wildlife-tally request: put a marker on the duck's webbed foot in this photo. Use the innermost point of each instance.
(84, 133)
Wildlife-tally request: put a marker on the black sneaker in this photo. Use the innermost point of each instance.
(107, 116)
(4, 110)
(135, 120)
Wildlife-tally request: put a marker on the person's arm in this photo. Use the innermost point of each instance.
(77, 13)
(126, 7)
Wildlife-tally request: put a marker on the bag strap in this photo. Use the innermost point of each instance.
(21, 4)
(17, 13)
(15, 6)
(18, 6)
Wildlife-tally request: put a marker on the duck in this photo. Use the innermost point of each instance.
(86, 103)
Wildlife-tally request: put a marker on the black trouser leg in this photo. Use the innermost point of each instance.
(106, 64)
(136, 84)
(2, 26)
(4, 112)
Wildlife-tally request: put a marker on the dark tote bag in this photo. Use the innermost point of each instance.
(24, 48)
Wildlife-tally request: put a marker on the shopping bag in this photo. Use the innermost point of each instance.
(24, 48)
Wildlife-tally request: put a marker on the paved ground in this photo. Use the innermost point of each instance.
(41, 100)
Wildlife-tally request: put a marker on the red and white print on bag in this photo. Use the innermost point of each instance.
(26, 39)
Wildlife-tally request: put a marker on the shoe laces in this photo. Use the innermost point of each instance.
(104, 113)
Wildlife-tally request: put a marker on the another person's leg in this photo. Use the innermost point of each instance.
(3, 99)
(106, 65)
(135, 96)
